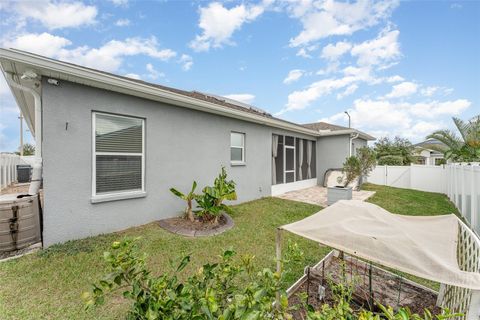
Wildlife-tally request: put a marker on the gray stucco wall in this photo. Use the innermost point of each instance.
(182, 145)
(332, 152)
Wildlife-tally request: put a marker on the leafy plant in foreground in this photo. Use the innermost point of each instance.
(213, 292)
(227, 289)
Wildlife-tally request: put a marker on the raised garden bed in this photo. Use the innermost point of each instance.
(386, 288)
(197, 228)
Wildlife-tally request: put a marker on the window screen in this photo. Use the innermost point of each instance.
(119, 153)
(237, 147)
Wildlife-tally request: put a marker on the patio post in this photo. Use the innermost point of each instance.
(278, 249)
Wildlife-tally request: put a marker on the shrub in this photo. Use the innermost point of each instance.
(211, 201)
(216, 291)
(351, 169)
(213, 292)
(390, 161)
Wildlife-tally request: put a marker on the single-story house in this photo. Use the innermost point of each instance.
(428, 152)
(110, 147)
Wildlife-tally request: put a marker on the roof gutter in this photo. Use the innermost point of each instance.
(38, 112)
(37, 165)
(362, 135)
(353, 136)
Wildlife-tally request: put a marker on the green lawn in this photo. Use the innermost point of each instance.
(410, 202)
(48, 284)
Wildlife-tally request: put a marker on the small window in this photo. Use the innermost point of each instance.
(237, 147)
(119, 154)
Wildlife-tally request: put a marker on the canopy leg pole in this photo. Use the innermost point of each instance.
(278, 249)
(370, 289)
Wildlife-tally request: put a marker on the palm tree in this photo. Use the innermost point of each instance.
(464, 148)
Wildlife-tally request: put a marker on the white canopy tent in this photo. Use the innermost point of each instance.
(425, 246)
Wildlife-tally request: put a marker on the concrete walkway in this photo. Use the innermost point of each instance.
(318, 195)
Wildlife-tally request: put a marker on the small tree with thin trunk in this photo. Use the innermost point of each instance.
(189, 197)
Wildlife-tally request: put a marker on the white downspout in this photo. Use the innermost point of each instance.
(37, 165)
(352, 137)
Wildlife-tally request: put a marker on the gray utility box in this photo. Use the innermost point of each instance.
(24, 172)
(338, 193)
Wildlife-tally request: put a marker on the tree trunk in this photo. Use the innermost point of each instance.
(189, 211)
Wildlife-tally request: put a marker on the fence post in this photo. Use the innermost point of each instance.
(385, 175)
(473, 200)
(464, 193)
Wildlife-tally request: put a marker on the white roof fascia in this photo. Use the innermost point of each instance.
(362, 135)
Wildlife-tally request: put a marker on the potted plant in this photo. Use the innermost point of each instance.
(354, 167)
(189, 198)
(351, 170)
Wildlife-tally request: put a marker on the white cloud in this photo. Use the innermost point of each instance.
(395, 78)
(383, 49)
(218, 24)
(403, 89)
(119, 2)
(329, 18)
(122, 22)
(4, 89)
(108, 57)
(301, 99)
(298, 100)
(429, 91)
(435, 90)
(293, 76)
(45, 43)
(412, 120)
(434, 109)
(349, 91)
(242, 97)
(153, 73)
(186, 61)
(55, 14)
(133, 76)
(335, 51)
(302, 52)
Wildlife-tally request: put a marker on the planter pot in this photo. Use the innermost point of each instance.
(338, 193)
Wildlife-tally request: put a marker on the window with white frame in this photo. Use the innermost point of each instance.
(118, 154)
(237, 147)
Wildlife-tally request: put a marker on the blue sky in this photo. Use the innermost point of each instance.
(400, 68)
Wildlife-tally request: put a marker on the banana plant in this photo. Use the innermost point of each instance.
(189, 197)
(211, 201)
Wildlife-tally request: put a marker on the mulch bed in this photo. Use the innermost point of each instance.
(388, 289)
(197, 228)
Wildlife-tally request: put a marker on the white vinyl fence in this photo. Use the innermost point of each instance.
(460, 182)
(8, 168)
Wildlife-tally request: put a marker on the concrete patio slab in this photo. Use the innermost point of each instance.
(318, 195)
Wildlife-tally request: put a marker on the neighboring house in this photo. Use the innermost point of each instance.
(111, 146)
(428, 156)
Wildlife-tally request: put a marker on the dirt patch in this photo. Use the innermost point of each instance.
(386, 288)
(197, 228)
